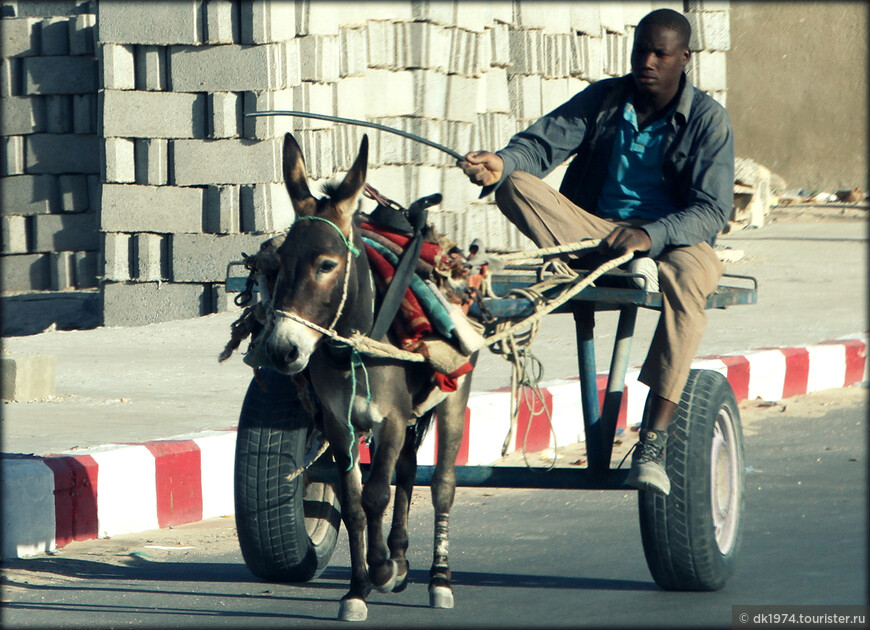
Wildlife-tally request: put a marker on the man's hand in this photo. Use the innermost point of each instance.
(623, 240)
(482, 167)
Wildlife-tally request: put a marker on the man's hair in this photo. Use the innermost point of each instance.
(670, 19)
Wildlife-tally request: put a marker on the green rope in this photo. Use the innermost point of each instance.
(350, 246)
(355, 362)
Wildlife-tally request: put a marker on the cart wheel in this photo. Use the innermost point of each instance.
(691, 537)
(287, 529)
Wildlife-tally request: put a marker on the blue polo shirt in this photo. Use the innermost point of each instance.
(634, 187)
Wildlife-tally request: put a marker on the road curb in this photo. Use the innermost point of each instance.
(50, 501)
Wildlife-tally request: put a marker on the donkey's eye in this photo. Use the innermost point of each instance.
(326, 266)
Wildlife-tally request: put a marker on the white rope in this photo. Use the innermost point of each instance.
(308, 465)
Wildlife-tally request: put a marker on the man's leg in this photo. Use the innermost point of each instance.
(687, 275)
(545, 215)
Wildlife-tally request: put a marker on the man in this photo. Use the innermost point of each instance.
(653, 174)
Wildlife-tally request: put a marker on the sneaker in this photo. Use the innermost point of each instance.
(647, 268)
(647, 469)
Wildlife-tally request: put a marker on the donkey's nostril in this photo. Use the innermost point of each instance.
(291, 354)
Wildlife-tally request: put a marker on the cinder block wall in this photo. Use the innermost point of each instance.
(188, 182)
(50, 163)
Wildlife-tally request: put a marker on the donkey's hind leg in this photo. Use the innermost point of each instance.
(451, 424)
(397, 541)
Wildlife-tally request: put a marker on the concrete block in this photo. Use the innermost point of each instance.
(59, 113)
(161, 209)
(61, 270)
(494, 129)
(84, 113)
(345, 145)
(150, 68)
(526, 51)
(356, 13)
(593, 55)
(463, 99)
(430, 93)
(27, 378)
(118, 67)
(435, 11)
(616, 54)
(586, 18)
(400, 88)
(633, 12)
(318, 149)
(25, 272)
(12, 159)
(711, 30)
(151, 159)
(116, 257)
(265, 208)
(81, 34)
(266, 21)
(225, 162)
(720, 97)
(266, 127)
(222, 22)
(54, 36)
(474, 16)
(228, 68)
(464, 53)
(11, 78)
(612, 18)
(137, 304)
(318, 58)
(321, 17)
(119, 160)
(131, 114)
(381, 44)
(458, 134)
(73, 191)
(500, 49)
(222, 210)
(21, 115)
(352, 97)
(554, 17)
(353, 52)
(495, 94)
(314, 97)
(149, 255)
(14, 234)
(525, 95)
(225, 114)
(150, 21)
(20, 37)
(707, 71)
(707, 5)
(86, 269)
(28, 194)
(554, 92)
(60, 75)
(65, 232)
(204, 257)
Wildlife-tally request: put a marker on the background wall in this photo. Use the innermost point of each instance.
(797, 90)
(165, 181)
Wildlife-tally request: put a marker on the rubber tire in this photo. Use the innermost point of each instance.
(287, 530)
(677, 531)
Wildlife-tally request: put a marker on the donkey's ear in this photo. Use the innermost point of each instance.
(348, 191)
(296, 178)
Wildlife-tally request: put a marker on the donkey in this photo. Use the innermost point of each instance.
(324, 279)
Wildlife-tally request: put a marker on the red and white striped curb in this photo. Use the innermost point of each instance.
(124, 488)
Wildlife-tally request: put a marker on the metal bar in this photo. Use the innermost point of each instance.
(584, 324)
(502, 477)
(361, 123)
(616, 379)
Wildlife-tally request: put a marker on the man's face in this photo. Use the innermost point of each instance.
(657, 60)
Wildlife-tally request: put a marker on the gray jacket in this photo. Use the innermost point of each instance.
(697, 158)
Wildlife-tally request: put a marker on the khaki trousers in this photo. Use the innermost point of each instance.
(687, 275)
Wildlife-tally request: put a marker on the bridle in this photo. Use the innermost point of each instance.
(352, 252)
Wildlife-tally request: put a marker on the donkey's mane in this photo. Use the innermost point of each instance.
(330, 189)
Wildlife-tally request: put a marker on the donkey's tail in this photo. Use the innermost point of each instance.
(421, 428)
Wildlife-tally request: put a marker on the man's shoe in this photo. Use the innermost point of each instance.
(647, 463)
(646, 267)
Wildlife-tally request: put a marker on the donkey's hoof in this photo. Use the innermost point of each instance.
(440, 597)
(402, 580)
(353, 610)
(391, 582)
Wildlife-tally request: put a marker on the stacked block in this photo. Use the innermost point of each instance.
(151, 119)
(49, 182)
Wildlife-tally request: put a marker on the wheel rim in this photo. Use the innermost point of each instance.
(725, 481)
(318, 501)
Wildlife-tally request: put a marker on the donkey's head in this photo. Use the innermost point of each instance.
(323, 275)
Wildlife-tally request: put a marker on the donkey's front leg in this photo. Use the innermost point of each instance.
(375, 498)
(406, 471)
(353, 605)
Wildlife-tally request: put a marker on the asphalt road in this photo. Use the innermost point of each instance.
(520, 558)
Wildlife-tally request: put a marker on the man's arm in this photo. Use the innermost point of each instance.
(707, 185)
